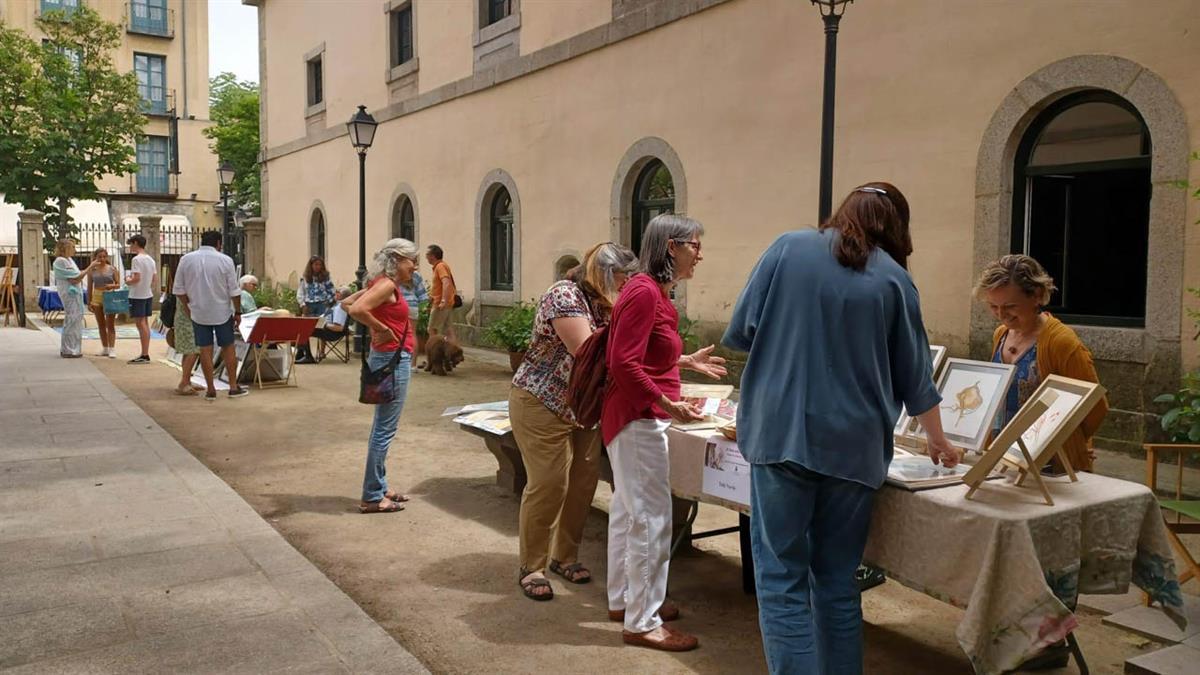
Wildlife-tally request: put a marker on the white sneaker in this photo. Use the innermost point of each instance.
(112, 352)
(103, 352)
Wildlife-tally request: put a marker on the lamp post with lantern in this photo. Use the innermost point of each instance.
(225, 175)
(831, 14)
(361, 128)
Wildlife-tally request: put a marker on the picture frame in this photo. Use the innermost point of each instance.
(972, 393)
(1039, 430)
(937, 358)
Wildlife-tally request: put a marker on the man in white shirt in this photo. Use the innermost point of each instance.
(142, 280)
(207, 286)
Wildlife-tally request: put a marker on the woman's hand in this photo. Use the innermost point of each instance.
(705, 363)
(681, 411)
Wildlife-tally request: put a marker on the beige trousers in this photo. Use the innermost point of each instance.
(439, 321)
(562, 463)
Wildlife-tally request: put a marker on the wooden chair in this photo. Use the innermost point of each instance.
(1182, 508)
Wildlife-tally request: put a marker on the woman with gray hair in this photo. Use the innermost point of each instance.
(382, 309)
(644, 355)
(562, 459)
(249, 284)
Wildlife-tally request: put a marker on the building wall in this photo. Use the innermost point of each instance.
(734, 90)
(187, 77)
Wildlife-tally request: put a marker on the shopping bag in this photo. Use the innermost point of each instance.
(116, 301)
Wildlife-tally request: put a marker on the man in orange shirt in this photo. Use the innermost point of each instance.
(443, 292)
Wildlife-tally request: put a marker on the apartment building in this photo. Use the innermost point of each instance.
(166, 45)
(517, 133)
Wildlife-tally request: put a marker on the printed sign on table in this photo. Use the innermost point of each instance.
(726, 472)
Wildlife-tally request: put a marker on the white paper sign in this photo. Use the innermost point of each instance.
(726, 472)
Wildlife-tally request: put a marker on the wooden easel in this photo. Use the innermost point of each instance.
(8, 295)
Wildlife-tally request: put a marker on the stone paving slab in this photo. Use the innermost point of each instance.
(96, 576)
(1150, 622)
(1174, 660)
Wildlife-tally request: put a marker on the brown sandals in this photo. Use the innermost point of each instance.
(571, 572)
(668, 611)
(675, 641)
(384, 505)
(528, 587)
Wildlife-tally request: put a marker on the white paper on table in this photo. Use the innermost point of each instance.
(726, 471)
(494, 406)
(246, 325)
(491, 421)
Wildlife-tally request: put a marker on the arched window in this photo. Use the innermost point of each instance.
(316, 234)
(1081, 206)
(404, 219)
(653, 193)
(501, 241)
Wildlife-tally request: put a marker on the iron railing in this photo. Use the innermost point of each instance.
(154, 180)
(146, 19)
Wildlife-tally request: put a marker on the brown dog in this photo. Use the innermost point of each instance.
(442, 354)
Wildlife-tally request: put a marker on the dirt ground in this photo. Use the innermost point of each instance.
(441, 575)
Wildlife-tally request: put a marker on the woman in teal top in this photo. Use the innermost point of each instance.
(832, 324)
(67, 279)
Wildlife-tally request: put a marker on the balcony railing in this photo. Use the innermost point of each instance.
(153, 20)
(154, 181)
(162, 106)
(44, 7)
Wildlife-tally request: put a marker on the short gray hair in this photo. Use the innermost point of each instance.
(662, 230)
(385, 258)
(248, 279)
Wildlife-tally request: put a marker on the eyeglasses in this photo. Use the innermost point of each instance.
(694, 244)
(878, 191)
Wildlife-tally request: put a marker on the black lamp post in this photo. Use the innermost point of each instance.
(831, 14)
(225, 175)
(362, 132)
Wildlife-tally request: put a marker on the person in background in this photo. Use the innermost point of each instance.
(142, 282)
(185, 344)
(337, 320)
(249, 284)
(1016, 288)
(103, 277)
(832, 325)
(315, 295)
(443, 292)
(382, 309)
(67, 279)
(644, 355)
(207, 288)
(415, 293)
(562, 459)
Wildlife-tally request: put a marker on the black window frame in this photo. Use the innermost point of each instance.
(501, 268)
(315, 70)
(403, 35)
(1022, 173)
(317, 233)
(644, 208)
(404, 219)
(497, 10)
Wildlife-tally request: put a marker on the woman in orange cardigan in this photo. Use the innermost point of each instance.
(1016, 287)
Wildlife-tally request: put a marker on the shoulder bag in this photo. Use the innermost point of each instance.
(378, 386)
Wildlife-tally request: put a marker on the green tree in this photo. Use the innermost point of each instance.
(67, 117)
(233, 107)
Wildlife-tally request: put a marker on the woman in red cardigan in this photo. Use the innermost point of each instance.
(644, 357)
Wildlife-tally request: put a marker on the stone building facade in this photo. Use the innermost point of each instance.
(516, 133)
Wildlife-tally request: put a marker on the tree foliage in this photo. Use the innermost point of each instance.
(233, 107)
(67, 116)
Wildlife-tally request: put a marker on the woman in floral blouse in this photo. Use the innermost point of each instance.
(561, 458)
(316, 296)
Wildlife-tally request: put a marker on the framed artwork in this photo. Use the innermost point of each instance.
(1038, 431)
(937, 358)
(972, 393)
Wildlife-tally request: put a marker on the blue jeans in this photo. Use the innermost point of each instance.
(383, 429)
(807, 534)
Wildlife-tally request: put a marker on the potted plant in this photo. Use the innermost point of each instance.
(1182, 420)
(512, 331)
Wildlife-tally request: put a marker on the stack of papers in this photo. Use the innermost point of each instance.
(493, 422)
(717, 411)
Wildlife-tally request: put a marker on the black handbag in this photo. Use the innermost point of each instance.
(379, 386)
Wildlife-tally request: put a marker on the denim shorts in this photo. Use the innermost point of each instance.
(140, 307)
(222, 332)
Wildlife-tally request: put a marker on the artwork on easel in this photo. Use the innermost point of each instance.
(1037, 433)
(972, 393)
(937, 357)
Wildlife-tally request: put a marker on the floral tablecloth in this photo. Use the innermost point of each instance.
(1017, 565)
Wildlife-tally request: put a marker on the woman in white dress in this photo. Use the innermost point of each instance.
(67, 278)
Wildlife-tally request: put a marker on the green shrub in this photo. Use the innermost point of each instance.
(513, 329)
(422, 326)
(1182, 421)
(276, 296)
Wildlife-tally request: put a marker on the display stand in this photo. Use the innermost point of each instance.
(284, 333)
(8, 296)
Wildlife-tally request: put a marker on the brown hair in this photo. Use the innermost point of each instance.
(310, 276)
(1018, 270)
(872, 215)
(596, 274)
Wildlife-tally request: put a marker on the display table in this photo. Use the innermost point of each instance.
(1015, 565)
(51, 304)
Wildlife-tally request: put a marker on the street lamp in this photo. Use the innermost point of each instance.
(225, 174)
(361, 128)
(831, 14)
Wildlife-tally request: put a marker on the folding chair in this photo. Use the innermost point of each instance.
(1182, 508)
(331, 342)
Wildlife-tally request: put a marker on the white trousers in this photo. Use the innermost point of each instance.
(639, 523)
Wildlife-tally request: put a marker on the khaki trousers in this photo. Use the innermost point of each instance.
(439, 321)
(562, 463)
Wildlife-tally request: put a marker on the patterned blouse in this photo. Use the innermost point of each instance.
(315, 292)
(547, 365)
(1025, 381)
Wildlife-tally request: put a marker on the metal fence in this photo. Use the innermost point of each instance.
(174, 242)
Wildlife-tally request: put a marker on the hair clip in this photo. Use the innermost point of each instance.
(867, 188)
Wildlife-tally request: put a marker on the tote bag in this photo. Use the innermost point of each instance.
(116, 301)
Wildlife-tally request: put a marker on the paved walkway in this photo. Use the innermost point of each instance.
(120, 552)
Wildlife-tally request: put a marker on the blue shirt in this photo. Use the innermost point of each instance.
(414, 294)
(833, 354)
